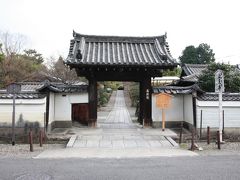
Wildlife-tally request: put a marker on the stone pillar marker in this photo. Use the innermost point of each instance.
(219, 88)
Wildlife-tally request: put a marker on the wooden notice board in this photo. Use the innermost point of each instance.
(163, 101)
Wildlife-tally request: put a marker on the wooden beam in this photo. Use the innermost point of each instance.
(194, 109)
(141, 102)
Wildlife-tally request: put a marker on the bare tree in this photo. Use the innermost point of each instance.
(12, 43)
(61, 72)
(16, 65)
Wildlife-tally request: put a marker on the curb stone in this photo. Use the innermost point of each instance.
(71, 141)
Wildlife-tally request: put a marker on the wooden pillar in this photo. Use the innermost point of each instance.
(92, 97)
(146, 95)
(141, 102)
(47, 109)
(194, 97)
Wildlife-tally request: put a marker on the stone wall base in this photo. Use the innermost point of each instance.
(60, 124)
(172, 124)
(21, 134)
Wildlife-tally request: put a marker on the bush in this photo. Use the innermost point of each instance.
(134, 94)
(103, 96)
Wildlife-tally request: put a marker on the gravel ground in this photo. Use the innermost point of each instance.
(23, 150)
(229, 148)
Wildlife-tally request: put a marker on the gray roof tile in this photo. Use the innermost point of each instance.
(114, 50)
(190, 69)
(176, 89)
(191, 72)
(33, 90)
(214, 97)
(22, 96)
(191, 78)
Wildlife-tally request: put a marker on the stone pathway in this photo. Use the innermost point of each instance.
(116, 136)
(123, 138)
(117, 130)
(118, 117)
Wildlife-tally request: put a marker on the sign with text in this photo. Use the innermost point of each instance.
(163, 100)
(13, 88)
(219, 81)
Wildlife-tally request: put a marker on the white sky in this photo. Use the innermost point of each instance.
(49, 23)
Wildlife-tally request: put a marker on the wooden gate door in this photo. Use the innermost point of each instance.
(80, 113)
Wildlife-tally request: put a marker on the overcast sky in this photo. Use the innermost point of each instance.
(48, 24)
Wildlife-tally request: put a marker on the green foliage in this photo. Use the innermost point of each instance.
(17, 67)
(103, 92)
(111, 84)
(103, 97)
(202, 54)
(175, 72)
(32, 55)
(231, 78)
(134, 93)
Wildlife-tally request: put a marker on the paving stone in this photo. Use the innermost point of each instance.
(79, 137)
(105, 144)
(166, 143)
(153, 137)
(142, 143)
(80, 144)
(130, 143)
(92, 143)
(148, 137)
(154, 143)
(117, 144)
(116, 131)
(112, 137)
(162, 138)
(91, 137)
(132, 137)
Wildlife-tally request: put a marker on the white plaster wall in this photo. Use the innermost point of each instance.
(175, 113)
(32, 110)
(210, 115)
(188, 108)
(63, 105)
(232, 116)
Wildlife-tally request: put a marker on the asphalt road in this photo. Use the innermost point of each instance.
(201, 167)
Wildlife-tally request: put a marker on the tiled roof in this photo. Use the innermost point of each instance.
(115, 50)
(214, 97)
(191, 72)
(176, 89)
(30, 86)
(53, 86)
(63, 88)
(191, 78)
(22, 96)
(190, 69)
(33, 90)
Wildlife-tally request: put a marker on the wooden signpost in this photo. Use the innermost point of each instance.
(163, 101)
(13, 89)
